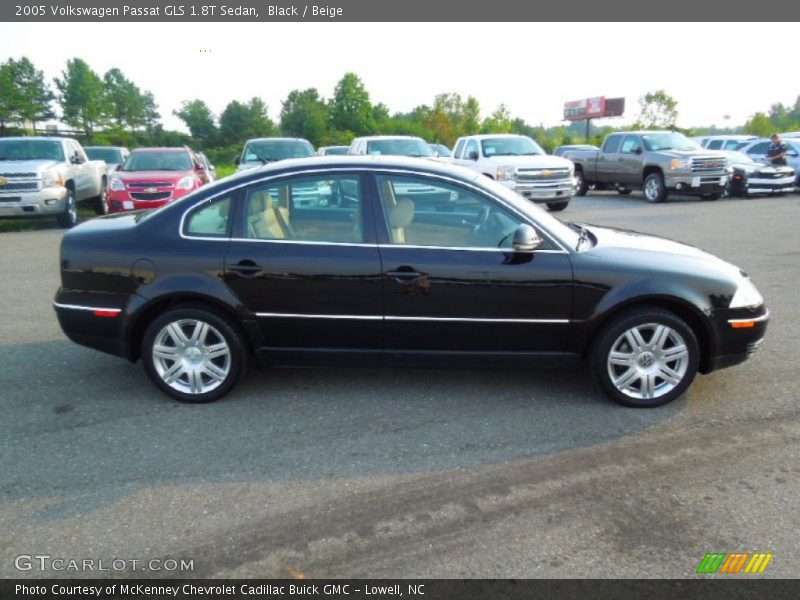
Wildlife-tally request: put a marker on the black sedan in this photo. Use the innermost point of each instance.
(369, 272)
(751, 177)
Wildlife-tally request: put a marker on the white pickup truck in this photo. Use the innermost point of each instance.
(518, 162)
(48, 176)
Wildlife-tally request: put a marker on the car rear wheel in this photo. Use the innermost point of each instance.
(557, 206)
(654, 188)
(646, 357)
(583, 187)
(623, 190)
(193, 354)
(69, 218)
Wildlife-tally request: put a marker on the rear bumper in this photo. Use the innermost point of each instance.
(95, 320)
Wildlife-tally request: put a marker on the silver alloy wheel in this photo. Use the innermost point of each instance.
(652, 189)
(191, 356)
(648, 361)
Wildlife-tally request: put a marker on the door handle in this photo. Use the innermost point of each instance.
(403, 274)
(245, 267)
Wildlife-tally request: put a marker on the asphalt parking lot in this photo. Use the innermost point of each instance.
(408, 473)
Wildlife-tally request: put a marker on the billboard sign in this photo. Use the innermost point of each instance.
(593, 108)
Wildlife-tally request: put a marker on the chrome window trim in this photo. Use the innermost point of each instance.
(403, 318)
(372, 170)
(763, 317)
(81, 307)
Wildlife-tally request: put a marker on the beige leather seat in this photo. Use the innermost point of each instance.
(399, 212)
(264, 218)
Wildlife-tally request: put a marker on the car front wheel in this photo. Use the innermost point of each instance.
(557, 206)
(654, 188)
(646, 357)
(582, 186)
(193, 354)
(69, 218)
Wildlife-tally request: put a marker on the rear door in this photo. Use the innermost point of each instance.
(608, 159)
(305, 261)
(454, 290)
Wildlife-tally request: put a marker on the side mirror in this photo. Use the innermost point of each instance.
(76, 159)
(637, 150)
(473, 155)
(237, 160)
(526, 239)
(118, 167)
(199, 168)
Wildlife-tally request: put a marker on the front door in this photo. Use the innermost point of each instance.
(454, 289)
(304, 260)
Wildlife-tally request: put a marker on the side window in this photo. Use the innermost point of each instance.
(425, 212)
(792, 150)
(730, 145)
(612, 144)
(459, 147)
(210, 219)
(320, 208)
(714, 144)
(472, 146)
(630, 145)
(759, 148)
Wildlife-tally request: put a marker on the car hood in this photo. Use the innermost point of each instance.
(147, 176)
(691, 153)
(27, 166)
(651, 253)
(537, 161)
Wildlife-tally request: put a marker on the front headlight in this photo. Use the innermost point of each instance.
(680, 163)
(52, 179)
(116, 184)
(746, 295)
(505, 173)
(186, 183)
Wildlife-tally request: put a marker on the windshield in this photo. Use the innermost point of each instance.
(739, 157)
(336, 150)
(399, 147)
(668, 141)
(158, 161)
(270, 150)
(510, 146)
(110, 155)
(30, 150)
(441, 149)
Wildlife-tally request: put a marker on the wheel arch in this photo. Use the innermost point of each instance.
(680, 307)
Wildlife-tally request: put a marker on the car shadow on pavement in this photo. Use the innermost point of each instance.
(83, 429)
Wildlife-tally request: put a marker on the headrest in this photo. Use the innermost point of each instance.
(259, 202)
(401, 215)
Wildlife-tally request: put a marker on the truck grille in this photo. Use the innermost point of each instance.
(542, 174)
(19, 186)
(763, 175)
(17, 175)
(150, 196)
(154, 184)
(709, 164)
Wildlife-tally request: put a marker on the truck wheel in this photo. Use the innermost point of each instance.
(623, 190)
(712, 196)
(583, 187)
(69, 218)
(645, 357)
(557, 206)
(101, 201)
(654, 188)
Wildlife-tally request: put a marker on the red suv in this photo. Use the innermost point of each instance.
(151, 177)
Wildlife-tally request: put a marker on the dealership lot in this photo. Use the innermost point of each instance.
(407, 472)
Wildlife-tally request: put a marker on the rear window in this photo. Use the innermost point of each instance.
(272, 150)
(110, 155)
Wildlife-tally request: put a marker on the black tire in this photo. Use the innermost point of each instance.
(583, 187)
(69, 218)
(221, 329)
(645, 364)
(557, 206)
(623, 190)
(654, 189)
(711, 196)
(101, 202)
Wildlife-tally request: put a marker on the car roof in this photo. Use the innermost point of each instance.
(389, 137)
(49, 138)
(484, 136)
(164, 149)
(277, 139)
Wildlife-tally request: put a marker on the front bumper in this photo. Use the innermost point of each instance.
(561, 190)
(123, 201)
(769, 186)
(734, 343)
(47, 201)
(692, 183)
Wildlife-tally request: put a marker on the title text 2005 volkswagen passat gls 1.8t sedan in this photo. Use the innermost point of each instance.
(391, 260)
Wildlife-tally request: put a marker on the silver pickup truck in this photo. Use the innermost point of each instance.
(658, 162)
(48, 176)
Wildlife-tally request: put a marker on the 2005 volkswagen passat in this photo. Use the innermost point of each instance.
(376, 260)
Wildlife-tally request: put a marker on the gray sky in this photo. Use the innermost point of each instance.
(531, 67)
